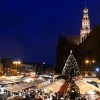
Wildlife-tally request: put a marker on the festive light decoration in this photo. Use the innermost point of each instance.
(71, 68)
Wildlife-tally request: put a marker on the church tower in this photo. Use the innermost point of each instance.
(85, 30)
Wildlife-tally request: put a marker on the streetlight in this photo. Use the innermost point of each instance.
(97, 69)
(86, 61)
(43, 63)
(90, 63)
(17, 63)
(93, 61)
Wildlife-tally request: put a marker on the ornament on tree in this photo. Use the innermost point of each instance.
(71, 68)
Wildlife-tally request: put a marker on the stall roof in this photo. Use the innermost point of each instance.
(85, 87)
(20, 87)
(55, 86)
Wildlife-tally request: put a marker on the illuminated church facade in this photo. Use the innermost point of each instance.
(85, 30)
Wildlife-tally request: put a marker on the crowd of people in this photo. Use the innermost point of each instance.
(40, 95)
(68, 91)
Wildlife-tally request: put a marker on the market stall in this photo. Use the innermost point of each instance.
(55, 86)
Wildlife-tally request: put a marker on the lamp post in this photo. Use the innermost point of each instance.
(17, 63)
(90, 62)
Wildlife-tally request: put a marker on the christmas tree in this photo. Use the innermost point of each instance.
(71, 68)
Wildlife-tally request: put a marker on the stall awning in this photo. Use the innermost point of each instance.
(85, 87)
(23, 86)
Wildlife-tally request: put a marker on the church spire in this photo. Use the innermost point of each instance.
(85, 30)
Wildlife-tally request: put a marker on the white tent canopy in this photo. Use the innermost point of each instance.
(55, 86)
(20, 87)
(85, 87)
(98, 81)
